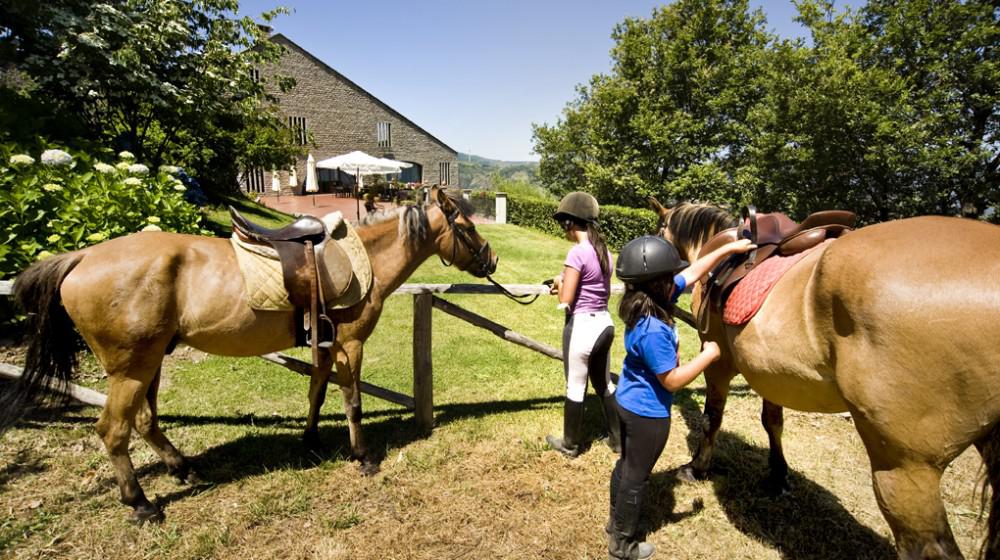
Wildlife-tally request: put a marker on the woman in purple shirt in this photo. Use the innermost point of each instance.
(583, 289)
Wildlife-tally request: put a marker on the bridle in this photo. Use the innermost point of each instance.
(480, 256)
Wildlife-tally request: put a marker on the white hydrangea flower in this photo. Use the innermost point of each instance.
(151, 227)
(133, 182)
(138, 169)
(171, 169)
(153, 219)
(43, 255)
(125, 154)
(92, 39)
(52, 187)
(21, 159)
(104, 168)
(122, 166)
(56, 158)
(180, 188)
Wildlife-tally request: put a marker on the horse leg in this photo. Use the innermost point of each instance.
(989, 449)
(717, 378)
(908, 491)
(773, 418)
(318, 383)
(114, 426)
(147, 423)
(352, 410)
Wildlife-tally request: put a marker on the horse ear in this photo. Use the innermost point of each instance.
(438, 194)
(656, 206)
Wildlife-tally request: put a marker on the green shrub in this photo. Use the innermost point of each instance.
(620, 224)
(57, 202)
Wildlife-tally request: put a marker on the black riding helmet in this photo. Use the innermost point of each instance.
(577, 206)
(648, 257)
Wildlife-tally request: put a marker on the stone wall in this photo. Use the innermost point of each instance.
(342, 117)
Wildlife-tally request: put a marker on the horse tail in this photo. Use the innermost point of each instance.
(51, 355)
(989, 450)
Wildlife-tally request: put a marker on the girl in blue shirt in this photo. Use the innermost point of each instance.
(654, 276)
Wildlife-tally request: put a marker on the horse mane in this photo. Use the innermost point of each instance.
(692, 225)
(414, 225)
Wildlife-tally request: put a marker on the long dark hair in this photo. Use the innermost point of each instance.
(600, 245)
(596, 239)
(651, 298)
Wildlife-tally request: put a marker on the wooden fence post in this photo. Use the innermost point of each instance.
(423, 376)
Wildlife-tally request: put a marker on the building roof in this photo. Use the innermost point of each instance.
(280, 38)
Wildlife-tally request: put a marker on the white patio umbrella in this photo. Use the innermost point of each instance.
(358, 163)
(293, 178)
(275, 181)
(311, 184)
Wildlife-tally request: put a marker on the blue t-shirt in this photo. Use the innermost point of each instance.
(650, 349)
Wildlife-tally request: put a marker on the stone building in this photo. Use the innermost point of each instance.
(339, 117)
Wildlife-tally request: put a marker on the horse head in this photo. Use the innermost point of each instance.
(459, 242)
(688, 226)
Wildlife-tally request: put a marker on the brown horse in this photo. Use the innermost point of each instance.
(897, 323)
(133, 298)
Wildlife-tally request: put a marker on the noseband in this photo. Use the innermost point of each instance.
(480, 256)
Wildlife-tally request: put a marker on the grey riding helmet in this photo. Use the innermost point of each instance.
(647, 257)
(577, 205)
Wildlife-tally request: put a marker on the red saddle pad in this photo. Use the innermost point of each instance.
(749, 295)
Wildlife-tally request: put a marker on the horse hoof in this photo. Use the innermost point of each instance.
(312, 442)
(192, 479)
(369, 468)
(688, 473)
(146, 513)
(185, 475)
(776, 488)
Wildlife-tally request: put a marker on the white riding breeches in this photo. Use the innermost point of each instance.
(587, 339)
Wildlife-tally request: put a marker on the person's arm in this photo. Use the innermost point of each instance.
(682, 375)
(568, 286)
(704, 265)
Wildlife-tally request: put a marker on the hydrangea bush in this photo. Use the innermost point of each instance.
(59, 201)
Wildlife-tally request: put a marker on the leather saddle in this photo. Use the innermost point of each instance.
(315, 269)
(774, 234)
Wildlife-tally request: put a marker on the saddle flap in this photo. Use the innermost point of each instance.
(334, 268)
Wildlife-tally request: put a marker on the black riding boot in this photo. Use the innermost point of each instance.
(616, 482)
(614, 424)
(569, 445)
(622, 542)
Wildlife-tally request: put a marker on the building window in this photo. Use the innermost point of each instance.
(255, 75)
(444, 170)
(253, 181)
(383, 133)
(298, 127)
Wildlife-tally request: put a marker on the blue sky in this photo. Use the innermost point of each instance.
(474, 73)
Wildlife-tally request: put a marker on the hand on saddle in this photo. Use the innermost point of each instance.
(739, 246)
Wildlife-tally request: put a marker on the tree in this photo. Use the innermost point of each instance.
(947, 51)
(169, 80)
(892, 111)
(671, 112)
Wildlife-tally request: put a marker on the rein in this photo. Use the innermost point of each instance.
(482, 262)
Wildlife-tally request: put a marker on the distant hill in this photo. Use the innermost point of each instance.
(477, 172)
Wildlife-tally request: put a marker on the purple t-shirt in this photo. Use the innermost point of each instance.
(592, 293)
